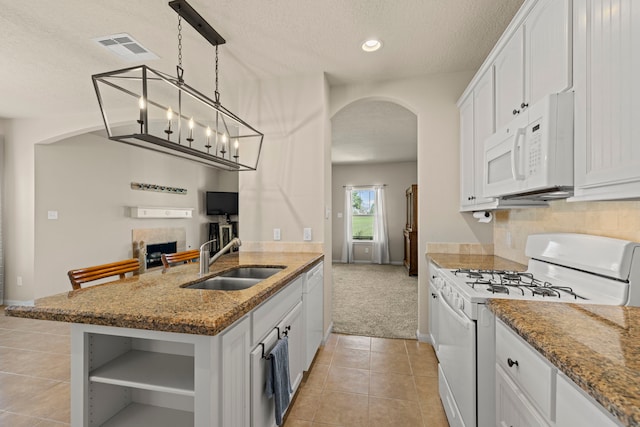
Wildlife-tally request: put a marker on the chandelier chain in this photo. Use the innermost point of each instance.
(179, 41)
(217, 94)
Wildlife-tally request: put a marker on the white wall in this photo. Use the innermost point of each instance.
(288, 189)
(433, 100)
(398, 177)
(87, 180)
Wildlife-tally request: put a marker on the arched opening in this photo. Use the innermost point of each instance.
(374, 162)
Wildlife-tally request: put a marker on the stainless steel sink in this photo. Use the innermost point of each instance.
(252, 272)
(237, 279)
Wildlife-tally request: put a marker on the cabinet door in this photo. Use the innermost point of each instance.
(512, 408)
(235, 372)
(509, 69)
(548, 49)
(573, 408)
(467, 188)
(484, 127)
(607, 99)
(293, 324)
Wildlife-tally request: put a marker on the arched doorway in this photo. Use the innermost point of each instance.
(374, 144)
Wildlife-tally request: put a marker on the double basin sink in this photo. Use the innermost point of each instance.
(237, 279)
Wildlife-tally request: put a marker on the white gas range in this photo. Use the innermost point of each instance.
(563, 267)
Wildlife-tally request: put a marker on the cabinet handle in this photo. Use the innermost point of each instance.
(524, 105)
(516, 112)
(512, 362)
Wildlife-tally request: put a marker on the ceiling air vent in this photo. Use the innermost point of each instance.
(126, 47)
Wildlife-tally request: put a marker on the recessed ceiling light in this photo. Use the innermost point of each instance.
(371, 45)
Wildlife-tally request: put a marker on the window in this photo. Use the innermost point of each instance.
(362, 213)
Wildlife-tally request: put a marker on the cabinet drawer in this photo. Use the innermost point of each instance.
(530, 371)
(266, 316)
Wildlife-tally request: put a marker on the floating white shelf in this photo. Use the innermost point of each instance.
(138, 415)
(149, 371)
(158, 212)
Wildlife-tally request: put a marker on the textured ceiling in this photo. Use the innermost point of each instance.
(47, 55)
(374, 132)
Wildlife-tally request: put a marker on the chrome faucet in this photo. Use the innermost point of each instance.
(205, 262)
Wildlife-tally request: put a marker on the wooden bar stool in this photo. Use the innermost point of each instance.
(186, 257)
(89, 274)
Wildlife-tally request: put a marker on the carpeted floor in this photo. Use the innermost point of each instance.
(374, 300)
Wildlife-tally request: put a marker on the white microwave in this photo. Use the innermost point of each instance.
(532, 157)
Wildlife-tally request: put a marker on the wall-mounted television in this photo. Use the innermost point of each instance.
(222, 203)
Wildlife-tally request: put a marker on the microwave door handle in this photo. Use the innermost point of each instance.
(514, 161)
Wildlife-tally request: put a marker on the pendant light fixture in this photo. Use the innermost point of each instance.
(147, 108)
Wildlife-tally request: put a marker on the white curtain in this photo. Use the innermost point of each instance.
(347, 245)
(380, 235)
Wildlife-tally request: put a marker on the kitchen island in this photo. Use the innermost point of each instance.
(148, 351)
(597, 347)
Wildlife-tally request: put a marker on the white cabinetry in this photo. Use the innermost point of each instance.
(607, 98)
(575, 408)
(532, 392)
(127, 377)
(525, 382)
(535, 61)
(476, 124)
(434, 305)
(512, 406)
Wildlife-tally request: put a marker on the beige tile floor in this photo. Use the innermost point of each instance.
(354, 381)
(361, 381)
(34, 372)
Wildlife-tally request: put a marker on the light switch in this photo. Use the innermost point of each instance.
(276, 234)
(339, 214)
(306, 236)
(52, 214)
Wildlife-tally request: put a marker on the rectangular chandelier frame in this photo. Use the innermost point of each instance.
(205, 131)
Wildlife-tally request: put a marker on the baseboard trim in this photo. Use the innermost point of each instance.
(18, 302)
(423, 337)
(327, 333)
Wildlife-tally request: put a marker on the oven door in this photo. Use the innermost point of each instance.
(457, 357)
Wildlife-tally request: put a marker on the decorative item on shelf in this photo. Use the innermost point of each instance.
(158, 188)
(144, 107)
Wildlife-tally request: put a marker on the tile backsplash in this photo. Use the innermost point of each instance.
(459, 248)
(620, 219)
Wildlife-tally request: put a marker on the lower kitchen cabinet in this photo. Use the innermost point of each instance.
(575, 408)
(512, 406)
(532, 392)
(133, 377)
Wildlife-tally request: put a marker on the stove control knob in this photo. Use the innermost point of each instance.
(461, 304)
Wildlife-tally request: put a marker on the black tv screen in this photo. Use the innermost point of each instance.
(222, 203)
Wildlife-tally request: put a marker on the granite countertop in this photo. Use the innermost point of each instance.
(483, 262)
(596, 346)
(157, 301)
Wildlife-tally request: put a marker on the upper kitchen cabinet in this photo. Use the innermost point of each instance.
(607, 99)
(535, 61)
(476, 124)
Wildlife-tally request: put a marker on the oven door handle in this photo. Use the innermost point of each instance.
(461, 318)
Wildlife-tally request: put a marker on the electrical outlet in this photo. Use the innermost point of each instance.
(366, 250)
(52, 214)
(19, 281)
(508, 239)
(306, 235)
(276, 234)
